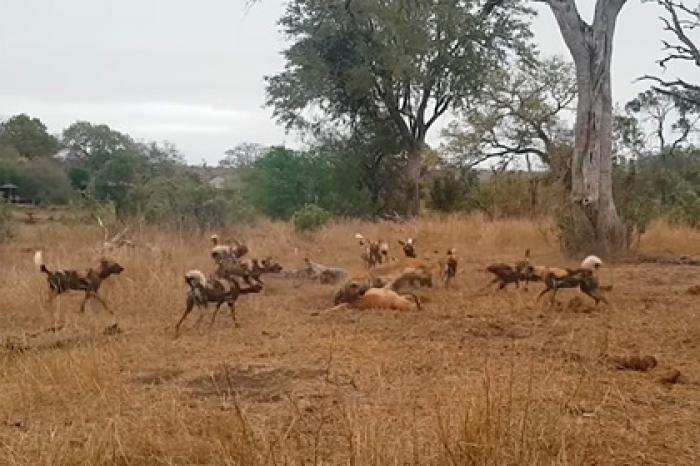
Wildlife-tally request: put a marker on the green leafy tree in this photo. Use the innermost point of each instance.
(405, 63)
(122, 172)
(283, 181)
(42, 180)
(92, 145)
(670, 119)
(243, 155)
(28, 136)
(518, 115)
(79, 178)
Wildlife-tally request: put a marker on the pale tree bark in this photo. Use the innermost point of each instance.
(596, 226)
(413, 170)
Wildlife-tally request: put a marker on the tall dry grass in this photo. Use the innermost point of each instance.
(474, 378)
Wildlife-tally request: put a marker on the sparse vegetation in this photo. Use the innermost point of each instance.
(310, 218)
(4, 221)
(470, 379)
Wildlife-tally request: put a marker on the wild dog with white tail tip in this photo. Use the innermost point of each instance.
(205, 290)
(62, 281)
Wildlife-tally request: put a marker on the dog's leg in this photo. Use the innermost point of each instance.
(216, 311)
(543, 292)
(201, 316)
(491, 283)
(232, 307)
(97, 298)
(339, 307)
(554, 297)
(596, 294)
(85, 300)
(188, 309)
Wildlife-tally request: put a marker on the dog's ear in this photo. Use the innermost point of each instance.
(527, 253)
(402, 243)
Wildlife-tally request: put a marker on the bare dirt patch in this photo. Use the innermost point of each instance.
(256, 383)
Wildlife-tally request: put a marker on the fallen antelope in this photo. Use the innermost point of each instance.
(361, 297)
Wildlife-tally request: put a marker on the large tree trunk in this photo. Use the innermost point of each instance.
(413, 172)
(594, 225)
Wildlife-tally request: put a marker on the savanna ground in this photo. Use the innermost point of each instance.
(472, 378)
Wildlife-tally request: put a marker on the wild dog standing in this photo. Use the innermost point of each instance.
(408, 247)
(205, 290)
(448, 269)
(376, 252)
(220, 251)
(583, 279)
(229, 268)
(62, 281)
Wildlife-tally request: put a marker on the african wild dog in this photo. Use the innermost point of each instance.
(205, 290)
(62, 281)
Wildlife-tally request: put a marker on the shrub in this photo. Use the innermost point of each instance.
(453, 190)
(42, 180)
(188, 202)
(4, 221)
(310, 218)
(283, 181)
(686, 209)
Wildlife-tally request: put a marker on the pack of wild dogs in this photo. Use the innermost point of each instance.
(387, 282)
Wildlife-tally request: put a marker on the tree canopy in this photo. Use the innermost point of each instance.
(28, 136)
(404, 64)
(518, 114)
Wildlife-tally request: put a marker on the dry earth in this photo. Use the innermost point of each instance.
(473, 378)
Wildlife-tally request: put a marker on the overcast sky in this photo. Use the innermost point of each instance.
(192, 72)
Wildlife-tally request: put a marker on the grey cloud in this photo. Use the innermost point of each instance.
(192, 72)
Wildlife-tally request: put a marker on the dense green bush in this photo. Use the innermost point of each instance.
(40, 179)
(4, 221)
(453, 189)
(652, 187)
(310, 218)
(283, 181)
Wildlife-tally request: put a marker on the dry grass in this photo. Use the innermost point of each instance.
(474, 378)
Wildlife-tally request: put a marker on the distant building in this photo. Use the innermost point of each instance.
(8, 193)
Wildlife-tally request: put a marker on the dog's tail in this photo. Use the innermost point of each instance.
(39, 262)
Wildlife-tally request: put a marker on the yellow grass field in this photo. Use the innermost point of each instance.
(472, 378)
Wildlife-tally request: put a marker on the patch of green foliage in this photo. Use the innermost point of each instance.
(283, 181)
(310, 218)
